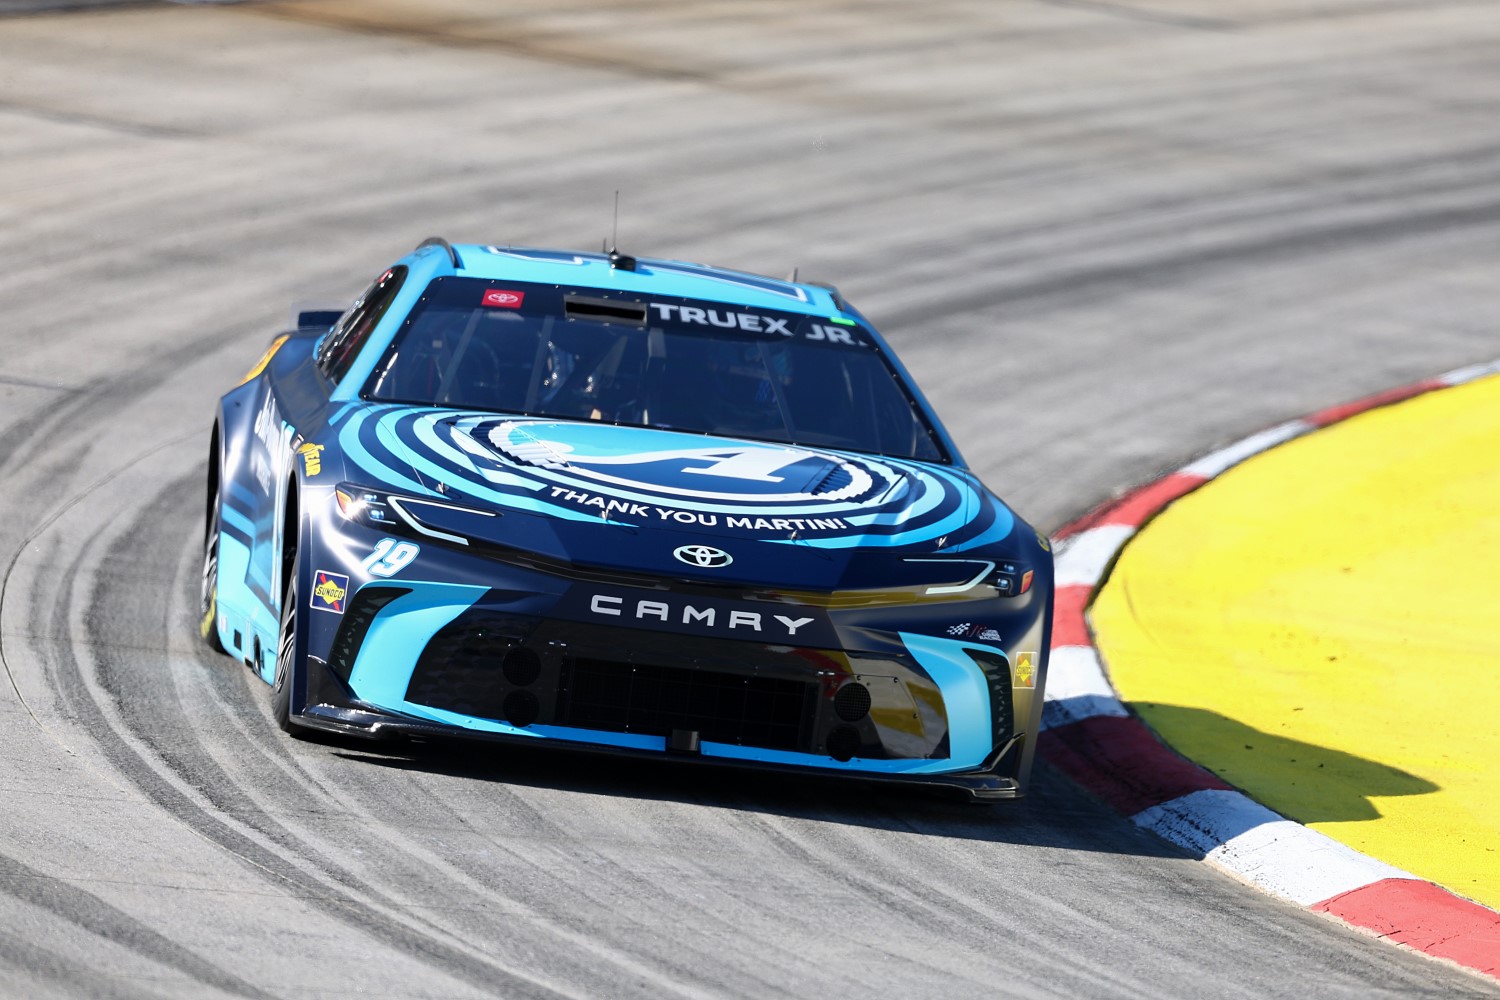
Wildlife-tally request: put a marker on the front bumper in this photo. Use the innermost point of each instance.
(414, 658)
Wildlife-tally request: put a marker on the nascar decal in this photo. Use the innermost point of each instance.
(635, 476)
(329, 591)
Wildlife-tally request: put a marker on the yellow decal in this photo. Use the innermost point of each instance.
(265, 358)
(328, 592)
(1025, 670)
(312, 459)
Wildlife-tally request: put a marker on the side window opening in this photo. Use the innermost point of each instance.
(342, 345)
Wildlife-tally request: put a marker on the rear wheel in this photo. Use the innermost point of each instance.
(208, 603)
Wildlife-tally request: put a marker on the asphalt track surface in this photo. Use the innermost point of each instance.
(1105, 236)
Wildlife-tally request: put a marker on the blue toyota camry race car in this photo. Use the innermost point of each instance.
(630, 505)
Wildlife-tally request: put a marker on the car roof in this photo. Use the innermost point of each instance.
(649, 275)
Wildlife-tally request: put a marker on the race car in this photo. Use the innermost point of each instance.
(632, 505)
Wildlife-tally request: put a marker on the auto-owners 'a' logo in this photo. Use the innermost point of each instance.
(702, 556)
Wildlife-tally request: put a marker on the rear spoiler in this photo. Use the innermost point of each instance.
(318, 319)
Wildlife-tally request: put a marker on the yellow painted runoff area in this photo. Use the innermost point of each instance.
(1320, 626)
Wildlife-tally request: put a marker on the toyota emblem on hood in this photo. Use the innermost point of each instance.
(702, 556)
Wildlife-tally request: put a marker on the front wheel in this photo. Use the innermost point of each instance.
(286, 657)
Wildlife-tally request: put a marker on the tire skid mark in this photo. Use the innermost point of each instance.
(892, 896)
(334, 900)
(465, 873)
(967, 919)
(674, 973)
(40, 964)
(1150, 266)
(85, 910)
(469, 874)
(194, 766)
(953, 915)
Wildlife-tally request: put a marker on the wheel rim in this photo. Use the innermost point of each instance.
(287, 641)
(208, 596)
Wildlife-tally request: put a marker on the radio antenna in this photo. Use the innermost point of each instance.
(614, 230)
(619, 261)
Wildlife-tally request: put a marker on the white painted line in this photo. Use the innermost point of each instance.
(1075, 672)
(1469, 373)
(1077, 688)
(1085, 556)
(1246, 839)
(1211, 465)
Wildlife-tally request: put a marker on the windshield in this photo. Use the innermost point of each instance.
(654, 361)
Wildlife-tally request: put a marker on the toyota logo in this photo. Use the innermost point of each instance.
(702, 556)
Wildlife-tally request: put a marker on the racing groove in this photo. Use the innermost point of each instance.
(1104, 236)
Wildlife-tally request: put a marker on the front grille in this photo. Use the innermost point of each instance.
(357, 621)
(1002, 709)
(653, 700)
(463, 667)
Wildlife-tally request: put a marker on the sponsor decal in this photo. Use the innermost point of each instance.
(265, 358)
(312, 459)
(969, 630)
(706, 613)
(702, 556)
(730, 319)
(830, 334)
(1025, 670)
(620, 475)
(695, 614)
(779, 474)
(502, 298)
(390, 557)
(607, 506)
(329, 591)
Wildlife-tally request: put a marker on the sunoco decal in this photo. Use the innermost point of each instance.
(329, 591)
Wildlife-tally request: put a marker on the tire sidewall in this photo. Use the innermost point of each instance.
(208, 592)
(289, 643)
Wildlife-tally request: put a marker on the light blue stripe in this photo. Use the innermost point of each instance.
(388, 655)
(354, 448)
(965, 690)
(233, 517)
(392, 441)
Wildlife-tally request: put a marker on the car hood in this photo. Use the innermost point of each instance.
(643, 499)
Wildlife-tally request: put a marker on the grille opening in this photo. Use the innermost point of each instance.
(367, 603)
(521, 666)
(843, 743)
(746, 710)
(852, 703)
(1002, 699)
(462, 668)
(521, 708)
(605, 310)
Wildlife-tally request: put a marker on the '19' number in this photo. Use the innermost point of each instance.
(390, 557)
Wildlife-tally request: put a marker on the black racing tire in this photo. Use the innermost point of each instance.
(208, 594)
(286, 647)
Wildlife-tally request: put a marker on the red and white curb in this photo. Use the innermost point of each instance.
(1088, 733)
